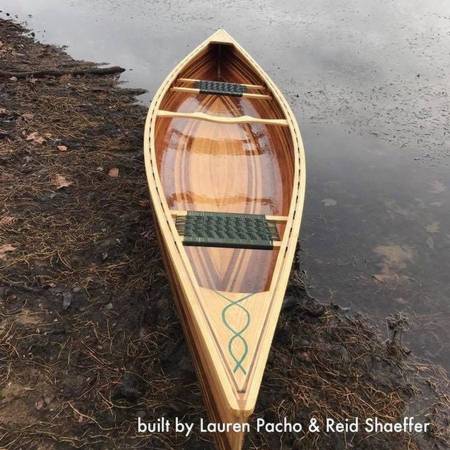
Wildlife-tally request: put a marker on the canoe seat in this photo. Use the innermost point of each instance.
(233, 230)
(220, 88)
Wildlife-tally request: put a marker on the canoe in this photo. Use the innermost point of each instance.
(226, 171)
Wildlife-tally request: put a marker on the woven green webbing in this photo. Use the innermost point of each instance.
(212, 229)
(220, 88)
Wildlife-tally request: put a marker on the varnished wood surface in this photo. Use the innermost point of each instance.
(245, 168)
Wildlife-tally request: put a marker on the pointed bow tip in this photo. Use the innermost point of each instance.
(221, 36)
(244, 408)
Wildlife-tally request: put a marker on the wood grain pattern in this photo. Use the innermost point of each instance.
(222, 119)
(229, 299)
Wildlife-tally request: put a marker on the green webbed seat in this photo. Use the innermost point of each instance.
(232, 230)
(220, 88)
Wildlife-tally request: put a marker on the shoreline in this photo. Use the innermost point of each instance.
(89, 335)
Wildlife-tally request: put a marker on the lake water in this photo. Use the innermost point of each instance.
(369, 83)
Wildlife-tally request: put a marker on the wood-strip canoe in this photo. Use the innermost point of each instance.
(225, 154)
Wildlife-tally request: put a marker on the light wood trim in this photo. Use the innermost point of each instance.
(222, 119)
(277, 218)
(197, 91)
(221, 36)
(247, 86)
(178, 213)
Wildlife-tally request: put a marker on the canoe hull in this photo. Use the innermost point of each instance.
(228, 300)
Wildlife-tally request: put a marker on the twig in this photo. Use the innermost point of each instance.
(59, 72)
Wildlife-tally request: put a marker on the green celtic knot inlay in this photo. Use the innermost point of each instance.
(237, 333)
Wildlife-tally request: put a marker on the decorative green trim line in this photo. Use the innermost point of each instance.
(237, 333)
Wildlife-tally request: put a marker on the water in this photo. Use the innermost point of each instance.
(369, 83)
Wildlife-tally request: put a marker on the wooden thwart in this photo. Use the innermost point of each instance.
(245, 94)
(222, 119)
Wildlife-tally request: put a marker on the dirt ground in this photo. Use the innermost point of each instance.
(89, 338)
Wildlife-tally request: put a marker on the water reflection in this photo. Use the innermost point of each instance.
(373, 238)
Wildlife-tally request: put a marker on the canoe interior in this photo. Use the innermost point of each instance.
(244, 168)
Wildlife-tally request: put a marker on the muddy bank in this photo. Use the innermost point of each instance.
(89, 339)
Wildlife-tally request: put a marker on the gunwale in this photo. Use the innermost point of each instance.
(241, 403)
